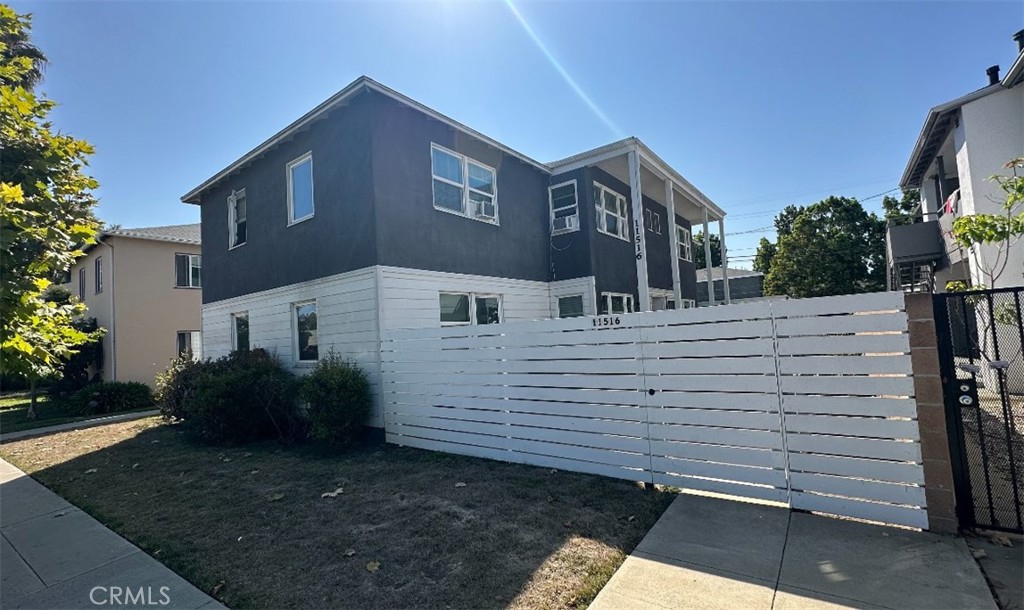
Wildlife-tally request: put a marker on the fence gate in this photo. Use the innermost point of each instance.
(980, 339)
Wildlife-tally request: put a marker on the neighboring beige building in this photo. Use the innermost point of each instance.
(143, 286)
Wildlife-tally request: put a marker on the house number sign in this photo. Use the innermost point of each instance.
(636, 239)
(602, 321)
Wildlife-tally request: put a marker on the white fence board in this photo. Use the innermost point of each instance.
(808, 402)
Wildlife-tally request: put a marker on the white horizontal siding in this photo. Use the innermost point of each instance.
(568, 288)
(346, 322)
(409, 297)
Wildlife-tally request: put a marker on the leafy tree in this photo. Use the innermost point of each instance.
(905, 210)
(698, 250)
(46, 214)
(14, 36)
(831, 247)
(784, 221)
(764, 256)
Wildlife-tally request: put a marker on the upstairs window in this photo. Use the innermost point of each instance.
(611, 212)
(81, 284)
(565, 210)
(98, 265)
(300, 189)
(236, 218)
(653, 221)
(463, 186)
(685, 245)
(187, 271)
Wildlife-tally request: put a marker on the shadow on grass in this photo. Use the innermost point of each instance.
(254, 518)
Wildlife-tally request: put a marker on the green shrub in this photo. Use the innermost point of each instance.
(243, 397)
(110, 397)
(176, 384)
(338, 395)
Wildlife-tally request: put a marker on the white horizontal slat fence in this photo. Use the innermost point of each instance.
(804, 402)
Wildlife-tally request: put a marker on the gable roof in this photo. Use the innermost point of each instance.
(939, 122)
(363, 83)
(182, 234)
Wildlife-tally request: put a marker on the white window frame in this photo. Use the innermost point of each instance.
(292, 220)
(192, 334)
(194, 261)
(472, 306)
(552, 209)
(558, 305)
(295, 332)
(464, 187)
(98, 275)
(627, 302)
(685, 244)
(234, 329)
(83, 279)
(233, 219)
(623, 217)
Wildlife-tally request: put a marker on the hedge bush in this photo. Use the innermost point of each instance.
(337, 393)
(176, 384)
(110, 397)
(243, 397)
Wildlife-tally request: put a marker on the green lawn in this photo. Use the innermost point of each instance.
(14, 407)
(380, 527)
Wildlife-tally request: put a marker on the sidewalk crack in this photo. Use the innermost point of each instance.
(782, 560)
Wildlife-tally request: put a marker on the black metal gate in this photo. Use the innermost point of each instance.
(981, 336)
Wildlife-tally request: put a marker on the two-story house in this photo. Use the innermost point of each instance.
(374, 212)
(144, 287)
(962, 144)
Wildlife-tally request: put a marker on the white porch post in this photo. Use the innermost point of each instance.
(673, 242)
(639, 239)
(707, 261)
(725, 261)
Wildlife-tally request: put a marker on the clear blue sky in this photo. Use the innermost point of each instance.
(758, 104)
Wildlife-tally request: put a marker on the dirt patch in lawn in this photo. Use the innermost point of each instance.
(403, 532)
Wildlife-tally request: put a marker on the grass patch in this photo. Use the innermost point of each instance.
(253, 517)
(14, 410)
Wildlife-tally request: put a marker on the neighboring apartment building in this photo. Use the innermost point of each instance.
(963, 143)
(744, 285)
(374, 212)
(143, 286)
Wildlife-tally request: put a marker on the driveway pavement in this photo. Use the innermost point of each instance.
(711, 553)
(53, 556)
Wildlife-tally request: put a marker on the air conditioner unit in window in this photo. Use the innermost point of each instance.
(483, 209)
(565, 223)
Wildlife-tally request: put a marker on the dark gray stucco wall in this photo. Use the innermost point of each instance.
(570, 252)
(614, 259)
(412, 233)
(339, 237)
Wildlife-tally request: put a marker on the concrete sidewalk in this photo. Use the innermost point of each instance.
(77, 425)
(54, 555)
(711, 553)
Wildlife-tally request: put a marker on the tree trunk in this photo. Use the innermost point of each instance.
(31, 414)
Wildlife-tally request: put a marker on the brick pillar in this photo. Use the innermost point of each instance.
(931, 415)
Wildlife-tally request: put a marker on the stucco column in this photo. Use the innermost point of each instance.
(639, 237)
(725, 260)
(673, 242)
(707, 260)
